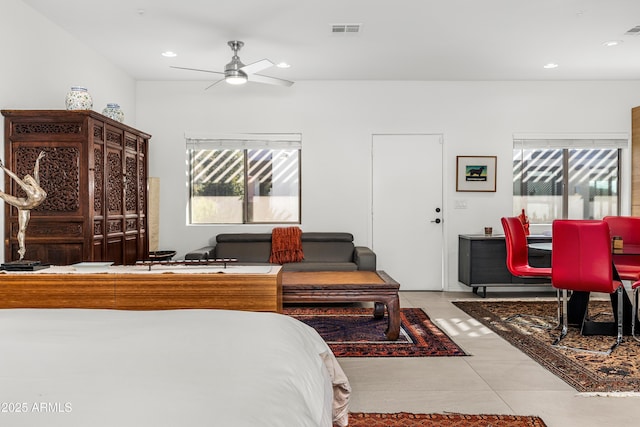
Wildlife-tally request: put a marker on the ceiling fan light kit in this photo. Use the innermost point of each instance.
(237, 73)
(232, 73)
(235, 80)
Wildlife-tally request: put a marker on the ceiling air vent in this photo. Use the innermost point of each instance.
(635, 31)
(345, 28)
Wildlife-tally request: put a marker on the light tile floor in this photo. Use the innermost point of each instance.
(495, 379)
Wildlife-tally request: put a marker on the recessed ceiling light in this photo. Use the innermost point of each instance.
(283, 65)
(169, 54)
(611, 43)
(551, 65)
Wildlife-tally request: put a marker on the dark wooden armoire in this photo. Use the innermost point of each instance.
(95, 175)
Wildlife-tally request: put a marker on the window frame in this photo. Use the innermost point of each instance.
(565, 143)
(243, 143)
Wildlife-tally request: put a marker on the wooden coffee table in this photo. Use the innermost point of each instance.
(346, 286)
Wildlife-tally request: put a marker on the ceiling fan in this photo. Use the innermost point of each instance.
(236, 73)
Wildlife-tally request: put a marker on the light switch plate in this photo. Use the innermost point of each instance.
(460, 204)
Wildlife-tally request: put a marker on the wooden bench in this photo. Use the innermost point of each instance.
(346, 286)
(137, 288)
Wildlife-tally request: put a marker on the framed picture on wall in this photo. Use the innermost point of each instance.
(476, 173)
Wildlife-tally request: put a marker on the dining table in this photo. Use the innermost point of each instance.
(579, 300)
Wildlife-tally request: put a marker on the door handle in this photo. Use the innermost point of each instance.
(437, 220)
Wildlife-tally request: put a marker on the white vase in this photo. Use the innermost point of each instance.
(114, 112)
(78, 98)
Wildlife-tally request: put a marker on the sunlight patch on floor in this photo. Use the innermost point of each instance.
(469, 327)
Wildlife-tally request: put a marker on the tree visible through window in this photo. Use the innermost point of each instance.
(236, 181)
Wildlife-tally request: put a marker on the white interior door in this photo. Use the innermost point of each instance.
(407, 234)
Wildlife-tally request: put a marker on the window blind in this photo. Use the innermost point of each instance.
(610, 140)
(244, 141)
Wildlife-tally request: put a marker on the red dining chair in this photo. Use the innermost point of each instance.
(581, 261)
(518, 251)
(518, 256)
(627, 227)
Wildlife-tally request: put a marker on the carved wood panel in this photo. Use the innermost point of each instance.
(131, 183)
(142, 186)
(49, 229)
(47, 128)
(131, 142)
(98, 180)
(114, 137)
(132, 224)
(115, 188)
(59, 176)
(98, 132)
(114, 226)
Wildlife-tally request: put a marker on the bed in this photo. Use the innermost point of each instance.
(81, 367)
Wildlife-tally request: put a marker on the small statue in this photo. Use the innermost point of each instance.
(35, 196)
(524, 219)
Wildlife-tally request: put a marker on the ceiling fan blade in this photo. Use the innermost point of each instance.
(213, 84)
(197, 69)
(259, 78)
(257, 66)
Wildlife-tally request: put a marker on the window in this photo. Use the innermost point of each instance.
(566, 178)
(246, 179)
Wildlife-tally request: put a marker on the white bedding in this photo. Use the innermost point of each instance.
(76, 367)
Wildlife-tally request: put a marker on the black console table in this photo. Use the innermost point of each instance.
(482, 262)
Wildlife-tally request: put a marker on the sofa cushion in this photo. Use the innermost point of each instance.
(244, 252)
(327, 251)
(326, 237)
(244, 237)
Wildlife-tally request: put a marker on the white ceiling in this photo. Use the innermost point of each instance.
(399, 39)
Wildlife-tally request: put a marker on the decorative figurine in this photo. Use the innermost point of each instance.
(524, 219)
(35, 196)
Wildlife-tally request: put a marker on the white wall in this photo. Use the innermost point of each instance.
(40, 62)
(337, 119)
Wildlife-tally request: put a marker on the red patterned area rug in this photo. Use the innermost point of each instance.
(530, 327)
(353, 332)
(404, 419)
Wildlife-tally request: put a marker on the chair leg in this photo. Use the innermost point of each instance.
(563, 317)
(562, 313)
(619, 337)
(634, 314)
(559, 314)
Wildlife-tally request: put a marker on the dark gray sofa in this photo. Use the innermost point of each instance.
(322, 251)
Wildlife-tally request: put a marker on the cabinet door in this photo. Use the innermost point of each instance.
(488, 263)
(96, 199)
(114, 179)
(143, 194)
(55, 231)
(131, 208)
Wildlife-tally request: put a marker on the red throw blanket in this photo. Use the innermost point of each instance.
(286, 245)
